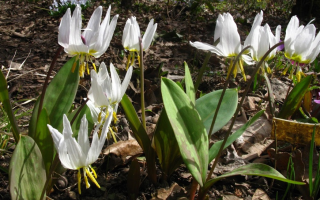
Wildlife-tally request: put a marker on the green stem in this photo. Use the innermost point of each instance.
(270, 92)
(143, 112)
(45, 85)
(239, 107)
(202, 69)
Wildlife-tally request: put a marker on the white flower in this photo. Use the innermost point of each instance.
(131, 34)
(94, 40)
(107, 90)
(300, 42)
(301, 45)
(79, 154)
(261, 39)
(229, 45)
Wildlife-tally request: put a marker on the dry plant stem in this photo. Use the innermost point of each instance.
(45, 85)
(56, 160)
(143, 112)
(202, 69)
(202, 195)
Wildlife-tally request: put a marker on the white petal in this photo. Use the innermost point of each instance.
(93, 25)
(207, 47)
(64, 29)
(230, 38)
(126, 81)
(148, 35)
(83, 138)
(56, 136)
(218, 29)
(116, 85)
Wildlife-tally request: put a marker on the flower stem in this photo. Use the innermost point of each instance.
(143, 112)
(45, 85)
(238, 108)
(202, 69)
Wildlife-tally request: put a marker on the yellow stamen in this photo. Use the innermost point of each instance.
(81, 70)
(79, 181)
(92, 178)
(93, 171)
(88, 71)
(86, 178)
(132, 58)
(240, 63)
(99, 117)
(115, 118)
(113, 135)
(94, 66)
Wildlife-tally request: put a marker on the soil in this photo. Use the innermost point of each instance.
(29, 41)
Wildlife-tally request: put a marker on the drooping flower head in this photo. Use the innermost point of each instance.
(106, 90)
(229, 45)
(77, 155)
(131, 35)
(93, 41)
(301, 44)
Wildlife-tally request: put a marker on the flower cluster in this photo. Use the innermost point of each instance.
(106, 88)
(301, 44)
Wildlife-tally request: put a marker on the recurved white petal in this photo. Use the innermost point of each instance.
(93, 25)
(207, 47)
(56, 136)
(64, 29)
(126, 81)
(148, 35)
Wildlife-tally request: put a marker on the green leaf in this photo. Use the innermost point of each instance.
(207, 105)
(4, 98)
(292, 102)
(59, 96)
(189, 84)
(213, 152)
(253, 169)
(141, 136)
(27, 172)
(44, 140)
(76, 124)
(166, 146)
(190, 133)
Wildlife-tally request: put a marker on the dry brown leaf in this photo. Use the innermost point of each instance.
(260, 195)
(124, 149)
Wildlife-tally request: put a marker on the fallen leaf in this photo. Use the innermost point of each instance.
(260, 195)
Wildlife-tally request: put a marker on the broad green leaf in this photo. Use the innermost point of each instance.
(207, 105)
(189, 84)
(59, 96)
(27, 172)
(166, 146)
(213, 152)
(189, 131)
(44, 140)
(141, 136)
(253, 169)
(292, 102)
(4, 98)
